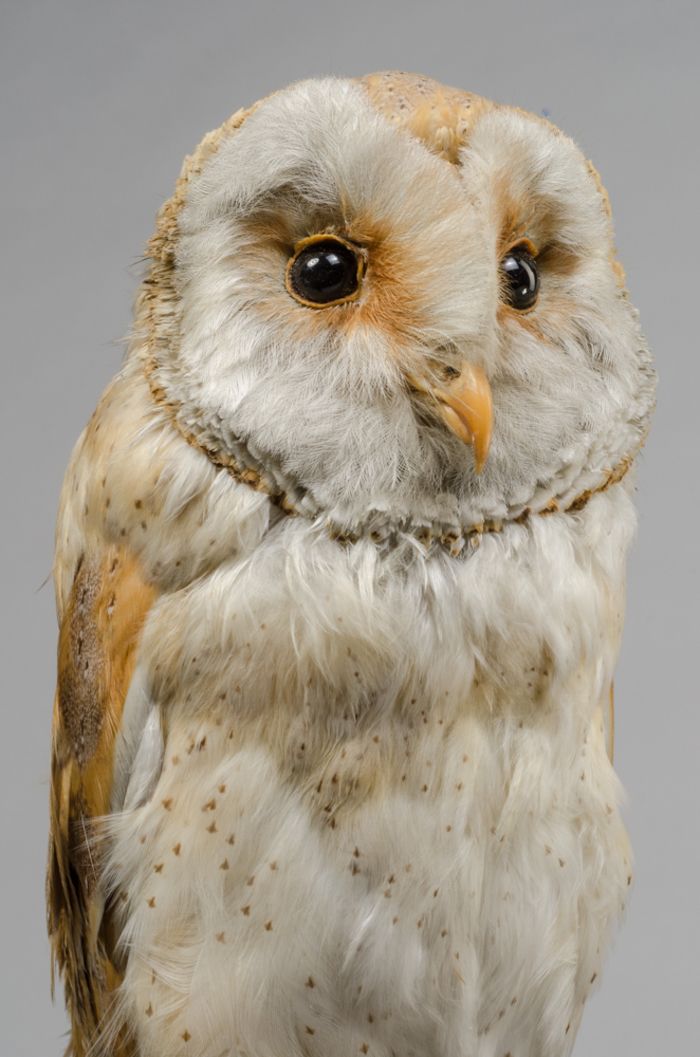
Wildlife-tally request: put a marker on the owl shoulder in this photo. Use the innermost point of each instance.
(140, 516)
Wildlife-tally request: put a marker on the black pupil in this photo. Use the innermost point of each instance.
(325, 271)
(521, 279)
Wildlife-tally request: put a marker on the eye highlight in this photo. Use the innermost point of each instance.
(520, 278)
(324, 270)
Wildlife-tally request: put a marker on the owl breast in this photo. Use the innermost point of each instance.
(385, 820)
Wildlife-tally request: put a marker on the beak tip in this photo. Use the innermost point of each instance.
(469, 401)
(466, 409)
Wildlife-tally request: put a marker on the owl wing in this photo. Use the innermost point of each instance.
(103, 611)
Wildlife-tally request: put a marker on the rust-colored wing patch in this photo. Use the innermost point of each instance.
(97, 648)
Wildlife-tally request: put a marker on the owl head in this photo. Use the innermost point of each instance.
(384, 300)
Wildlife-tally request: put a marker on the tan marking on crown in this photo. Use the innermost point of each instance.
(440, 116)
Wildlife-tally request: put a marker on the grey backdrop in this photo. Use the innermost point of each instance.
(100, 102)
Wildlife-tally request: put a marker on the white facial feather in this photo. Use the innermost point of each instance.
(324, 402)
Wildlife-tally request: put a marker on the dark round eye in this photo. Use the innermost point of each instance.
(520, 279)
(324, 272)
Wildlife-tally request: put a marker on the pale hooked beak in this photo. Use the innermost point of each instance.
(465, 406)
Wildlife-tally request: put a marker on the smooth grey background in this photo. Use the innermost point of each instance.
(100, 102)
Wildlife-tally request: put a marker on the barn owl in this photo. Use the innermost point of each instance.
(340, 575)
